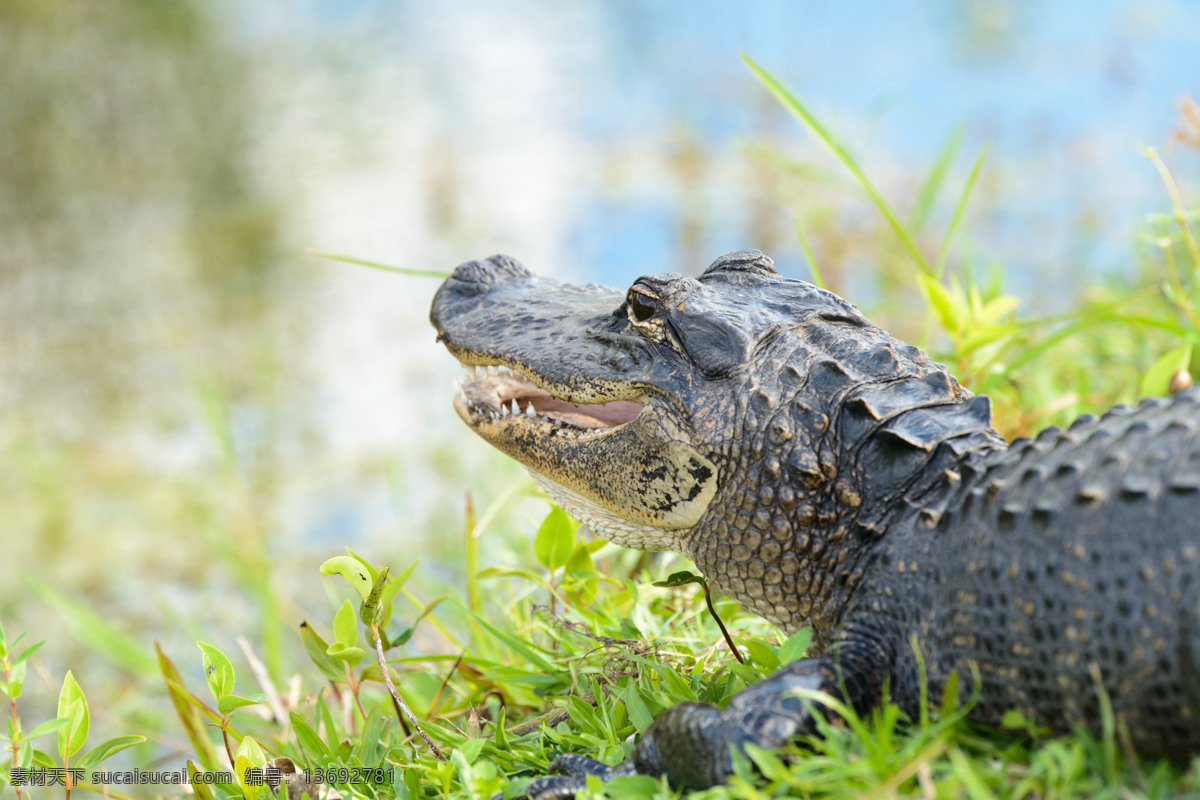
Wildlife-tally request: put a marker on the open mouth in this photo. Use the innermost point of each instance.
(495, 395)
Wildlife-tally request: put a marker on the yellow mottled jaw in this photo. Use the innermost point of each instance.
(621, 464)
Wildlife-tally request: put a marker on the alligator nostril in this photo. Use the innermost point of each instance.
(744, 261)
(491, 270)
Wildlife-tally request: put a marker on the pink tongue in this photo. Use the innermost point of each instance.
(604, 415)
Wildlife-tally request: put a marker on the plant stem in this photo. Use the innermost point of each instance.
(228, 750)
(445, 681)
(728, 639)
(387, 678)
(13, 703)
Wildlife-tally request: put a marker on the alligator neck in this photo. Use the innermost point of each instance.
(822, 471)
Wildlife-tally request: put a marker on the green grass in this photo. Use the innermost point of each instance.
(566, 644)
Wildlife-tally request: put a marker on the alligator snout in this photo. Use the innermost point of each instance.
(468, 286)
(492, 269)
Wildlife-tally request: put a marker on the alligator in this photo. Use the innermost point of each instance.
(824, 474)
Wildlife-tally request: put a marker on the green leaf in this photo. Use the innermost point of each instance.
(318, 650)
(46, 727)
(948, 308)
(521, 647)
(309, 741)
(639, 714)
(16, 681)
(233, 701)
(352, 570)
(761, 654)
(997, 308)
(249, 754)
(351, 655)
(965, 771)
(950, 695)
(27, 652)
(632, 786)
(345, 626)
(372, 744)
(405, 634)
(218, 671)
(681, 578)
(187, 712)
(471, 748)
(506, 572)
(202, 791)
(768, 763)
(796, 646)
(390, 592)
(555, 538)
(371, 571)
(106, 749)
(1014, 720)
(73, 706)
(580, 559)
(1157, 380)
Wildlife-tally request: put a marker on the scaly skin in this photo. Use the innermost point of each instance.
(822, 473)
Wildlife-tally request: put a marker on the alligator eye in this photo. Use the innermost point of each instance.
(641, 310)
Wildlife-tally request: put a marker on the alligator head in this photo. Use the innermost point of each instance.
(757, 424)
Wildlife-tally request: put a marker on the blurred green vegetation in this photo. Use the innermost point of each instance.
(147, 290)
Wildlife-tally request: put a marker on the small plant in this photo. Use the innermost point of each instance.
(29, 767)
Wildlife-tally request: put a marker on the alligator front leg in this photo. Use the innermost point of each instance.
(692, 743)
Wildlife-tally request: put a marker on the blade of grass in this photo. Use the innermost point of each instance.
(818, 279)
(1181, 214)
(814, 126)
(934, 180)
(96, 632)
(362, 262)
(1035, 351)
(952, 228)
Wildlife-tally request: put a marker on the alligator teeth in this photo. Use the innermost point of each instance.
(529, 412)
(503, 410)
(471, 372)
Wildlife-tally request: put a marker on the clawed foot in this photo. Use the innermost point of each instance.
(569, 774)
(691, 744)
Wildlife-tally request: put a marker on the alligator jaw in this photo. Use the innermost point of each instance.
(623, 465)
(504, 400)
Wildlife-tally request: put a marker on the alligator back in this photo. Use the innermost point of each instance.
(1061, 565)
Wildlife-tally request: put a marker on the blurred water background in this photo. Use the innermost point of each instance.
(195, 412)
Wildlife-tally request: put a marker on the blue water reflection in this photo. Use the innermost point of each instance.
(1063, 93)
